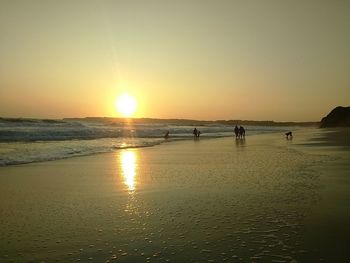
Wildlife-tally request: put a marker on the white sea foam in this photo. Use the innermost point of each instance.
(26, 141)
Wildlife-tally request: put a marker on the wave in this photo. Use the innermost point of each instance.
(29, 152)
(27, 130)
(26, 140)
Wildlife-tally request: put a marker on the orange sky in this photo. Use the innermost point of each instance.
(260, 60)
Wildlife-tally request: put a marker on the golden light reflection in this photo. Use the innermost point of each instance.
(128, 164)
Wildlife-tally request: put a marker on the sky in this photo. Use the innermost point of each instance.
(253, 60)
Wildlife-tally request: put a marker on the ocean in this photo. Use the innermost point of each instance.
(36, 140)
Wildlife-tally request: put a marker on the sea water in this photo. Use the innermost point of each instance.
(218, 200)
(36, 140)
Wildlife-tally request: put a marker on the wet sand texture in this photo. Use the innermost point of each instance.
(218, 200)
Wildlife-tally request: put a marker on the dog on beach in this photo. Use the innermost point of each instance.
(289, 134)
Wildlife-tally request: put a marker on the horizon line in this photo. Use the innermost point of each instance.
(152, 118)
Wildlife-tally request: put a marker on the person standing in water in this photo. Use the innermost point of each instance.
(166, 136)
(241, 132)
(236, 130)
(195, 132)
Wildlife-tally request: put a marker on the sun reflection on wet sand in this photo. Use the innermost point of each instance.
(128, 160)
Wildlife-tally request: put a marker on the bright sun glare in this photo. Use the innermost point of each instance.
(126, 105)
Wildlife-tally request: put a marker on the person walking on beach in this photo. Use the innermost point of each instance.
(236, 130)
(241, 132)
(166, 136)
(195, 132)
(198, 133)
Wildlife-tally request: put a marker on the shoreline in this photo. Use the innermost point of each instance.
(222, 199)
(115, 148)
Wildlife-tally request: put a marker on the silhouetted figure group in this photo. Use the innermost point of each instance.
(239, 132)
(196, 133)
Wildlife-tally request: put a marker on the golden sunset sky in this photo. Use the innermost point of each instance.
(259, 60)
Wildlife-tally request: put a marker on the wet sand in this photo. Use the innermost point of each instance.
(326, 228)
(263, 199)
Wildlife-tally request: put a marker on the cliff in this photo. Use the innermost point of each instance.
(338, 117)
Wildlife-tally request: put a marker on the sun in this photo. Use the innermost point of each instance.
(126, 105)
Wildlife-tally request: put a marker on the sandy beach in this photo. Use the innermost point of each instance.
(262, 199)
(174, 131)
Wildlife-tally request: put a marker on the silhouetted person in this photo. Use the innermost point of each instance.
(195, 132)
(241, 132)
(166, 136)
(198, 134)
(236, 130)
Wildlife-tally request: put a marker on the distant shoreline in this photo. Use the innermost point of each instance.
(188, 122)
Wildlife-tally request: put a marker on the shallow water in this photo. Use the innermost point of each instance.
(218, 200)
(26, 141)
